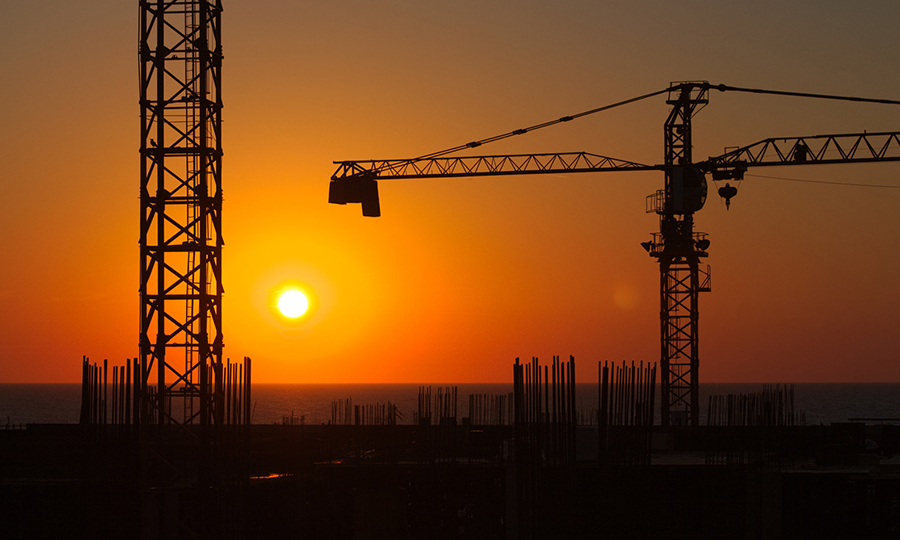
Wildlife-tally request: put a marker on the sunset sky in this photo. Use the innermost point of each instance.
(460, 276)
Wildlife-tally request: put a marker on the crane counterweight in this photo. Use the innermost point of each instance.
(361, 189)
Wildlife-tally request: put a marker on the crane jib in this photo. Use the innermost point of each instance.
(497, 165)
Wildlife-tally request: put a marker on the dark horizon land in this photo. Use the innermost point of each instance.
(820, 403)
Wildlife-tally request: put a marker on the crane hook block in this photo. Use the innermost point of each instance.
(727, 192)
(356, 189)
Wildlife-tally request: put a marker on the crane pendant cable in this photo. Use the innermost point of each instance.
(720, 87)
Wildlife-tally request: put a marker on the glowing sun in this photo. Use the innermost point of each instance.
(293, 304)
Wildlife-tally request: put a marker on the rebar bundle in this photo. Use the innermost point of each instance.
(773, 406)
(345, 413)
(440, 406)
(626, 413)
(123, 401)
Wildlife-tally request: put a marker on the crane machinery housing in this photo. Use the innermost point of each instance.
(677, 248)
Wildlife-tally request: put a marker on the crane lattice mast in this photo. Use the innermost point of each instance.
(678, 249)
(181, 210)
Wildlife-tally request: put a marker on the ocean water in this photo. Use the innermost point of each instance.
(821, 403)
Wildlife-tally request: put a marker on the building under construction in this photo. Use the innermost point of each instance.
(530, 465)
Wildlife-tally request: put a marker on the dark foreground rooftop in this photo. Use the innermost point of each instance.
(451, 481)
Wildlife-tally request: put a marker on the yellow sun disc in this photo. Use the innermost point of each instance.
(293, 304)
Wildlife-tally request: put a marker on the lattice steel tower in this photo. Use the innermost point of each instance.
(181, 211)
(679, 249)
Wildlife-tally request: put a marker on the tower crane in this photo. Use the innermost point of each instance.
(677, 248)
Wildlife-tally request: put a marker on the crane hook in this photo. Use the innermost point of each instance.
(727, 192)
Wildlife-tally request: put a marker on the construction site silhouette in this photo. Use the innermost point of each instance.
(165, 446)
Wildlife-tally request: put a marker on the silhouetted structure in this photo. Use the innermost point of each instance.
(181, 207)
(773, 406)
(124, 401)
(345, 413)
(677, 248)
(626, 414)
(193, 471)
(549, 475)
(439, 407)
(490, 409)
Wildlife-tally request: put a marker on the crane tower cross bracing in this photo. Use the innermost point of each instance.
(181, 210)
(677, 247)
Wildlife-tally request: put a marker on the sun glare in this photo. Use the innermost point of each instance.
(293, 304)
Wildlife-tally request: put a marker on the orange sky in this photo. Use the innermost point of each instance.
(458, 277)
